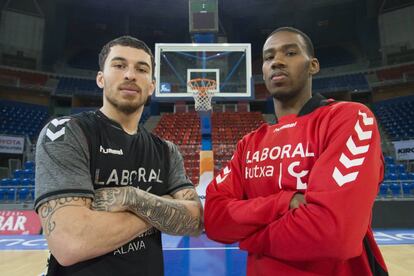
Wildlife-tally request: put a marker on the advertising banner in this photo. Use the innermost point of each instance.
(11, 144)
(15, 222)
(404, 150)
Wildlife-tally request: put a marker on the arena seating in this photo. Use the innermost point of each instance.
(77, 86)
(228, 129)
(398, 181)
(397, 117)
(183, 129)
(20, 188)
(349, 82)
(395, 73)
(22, 119)
(24, 78)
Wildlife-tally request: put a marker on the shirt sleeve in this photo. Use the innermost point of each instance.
(177, 177)
(62, 162)
(230, 217)
(342, 187)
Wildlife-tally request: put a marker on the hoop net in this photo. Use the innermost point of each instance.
(202, 90)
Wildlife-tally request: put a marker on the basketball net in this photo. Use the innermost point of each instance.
(202, 90)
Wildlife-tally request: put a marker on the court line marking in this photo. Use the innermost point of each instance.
(201, 248)
(397, 244)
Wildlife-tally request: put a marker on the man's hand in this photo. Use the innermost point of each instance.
(112, 199)
(297, 200)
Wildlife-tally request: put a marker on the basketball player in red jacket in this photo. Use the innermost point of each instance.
(298, 195)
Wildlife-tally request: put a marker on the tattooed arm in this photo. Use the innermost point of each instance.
(181, 215)
(76, 233)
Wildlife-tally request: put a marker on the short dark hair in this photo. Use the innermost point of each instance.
(308, 41)
(128, 41)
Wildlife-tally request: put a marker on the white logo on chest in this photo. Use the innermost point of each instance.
(110, 151)
(285, 126)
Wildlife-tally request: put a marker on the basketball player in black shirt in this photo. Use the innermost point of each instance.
(106, 188)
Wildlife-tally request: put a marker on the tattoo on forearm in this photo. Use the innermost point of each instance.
(109, 199)
(48, 209)
(190, 195)
(166, 215)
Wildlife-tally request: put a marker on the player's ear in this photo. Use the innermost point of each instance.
(314, 66)
(152, 87)
(100, 80)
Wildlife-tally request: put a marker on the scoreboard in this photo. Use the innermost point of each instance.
(203, 15)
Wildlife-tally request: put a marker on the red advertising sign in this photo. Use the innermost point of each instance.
(15, 222)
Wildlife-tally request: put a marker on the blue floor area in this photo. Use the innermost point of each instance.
(200, 256)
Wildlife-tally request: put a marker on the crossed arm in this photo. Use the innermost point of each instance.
(76, 233)
(77, 230)
(177, 215)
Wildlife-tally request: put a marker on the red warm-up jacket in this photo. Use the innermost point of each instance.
(330, 152)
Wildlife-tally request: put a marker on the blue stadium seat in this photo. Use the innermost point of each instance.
(23, 194)
(5, 182)
(18, 174)
(403, 176)
(2, 194)
(392, 176)
(400, 168)
(28, 173)
(26, 182)
(10, 194)
(389, 160)
(411, 176)
(395, 188)
(29, 165)
(390, 169)
(15, 182)
(407, 189)
(383, 189)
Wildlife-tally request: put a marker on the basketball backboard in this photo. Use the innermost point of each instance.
(229, 65)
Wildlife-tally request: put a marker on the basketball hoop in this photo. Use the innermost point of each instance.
(202, 90)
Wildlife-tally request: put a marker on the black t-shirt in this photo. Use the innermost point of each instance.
(79, 154)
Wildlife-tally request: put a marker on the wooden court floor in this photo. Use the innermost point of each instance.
(399, 259)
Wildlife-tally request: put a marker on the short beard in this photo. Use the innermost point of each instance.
(126, 109)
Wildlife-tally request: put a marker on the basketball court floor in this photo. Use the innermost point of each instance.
(26, 255)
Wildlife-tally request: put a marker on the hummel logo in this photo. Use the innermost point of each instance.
(363, 135)
(53, 133)
(111, 151)
(226, 172)
(285, 126)
(57, 122)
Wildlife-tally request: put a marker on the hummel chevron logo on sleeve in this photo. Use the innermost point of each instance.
(57, 122)
(54, 135)
(367, 121)
(226, 172)
(56, 129)
(354, 149)
(348, 163)
(341, 178)
(362, 135)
